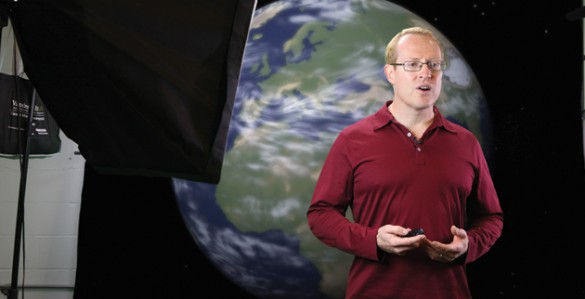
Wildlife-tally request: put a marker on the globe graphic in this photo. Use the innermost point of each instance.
(310, 69)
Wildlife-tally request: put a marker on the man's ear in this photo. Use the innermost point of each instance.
(389, 72)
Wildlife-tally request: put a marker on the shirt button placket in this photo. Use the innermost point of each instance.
(419, 159)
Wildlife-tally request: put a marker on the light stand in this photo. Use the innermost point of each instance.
(13, 291)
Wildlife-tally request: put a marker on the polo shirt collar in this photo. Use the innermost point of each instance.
(383, 117)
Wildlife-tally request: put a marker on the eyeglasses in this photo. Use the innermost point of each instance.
(415, 66)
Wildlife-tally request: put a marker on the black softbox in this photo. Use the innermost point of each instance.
(143, 87)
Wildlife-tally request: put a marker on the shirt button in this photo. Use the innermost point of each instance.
(418, 149)
(409, 134)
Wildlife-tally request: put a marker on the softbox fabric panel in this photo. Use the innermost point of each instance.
(143, 87)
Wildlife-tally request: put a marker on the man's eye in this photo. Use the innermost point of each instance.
(412, 64)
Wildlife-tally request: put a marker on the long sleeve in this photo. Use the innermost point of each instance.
(331, 200)
(484, 211)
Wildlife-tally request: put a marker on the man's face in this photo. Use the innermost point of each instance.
(417, 89)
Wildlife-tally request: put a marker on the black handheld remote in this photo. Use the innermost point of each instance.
(414, 232)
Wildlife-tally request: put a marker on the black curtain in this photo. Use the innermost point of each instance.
(132, 243)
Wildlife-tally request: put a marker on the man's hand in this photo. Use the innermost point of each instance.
(447, 252)
(391, 239)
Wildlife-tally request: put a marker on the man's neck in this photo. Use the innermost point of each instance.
(417, 121)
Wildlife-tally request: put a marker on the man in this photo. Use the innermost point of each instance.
(407, 167)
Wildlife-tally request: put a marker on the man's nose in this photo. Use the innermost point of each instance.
(426, 71)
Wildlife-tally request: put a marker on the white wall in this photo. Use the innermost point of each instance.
(52, 202)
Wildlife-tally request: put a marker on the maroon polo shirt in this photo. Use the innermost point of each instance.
(385, 176)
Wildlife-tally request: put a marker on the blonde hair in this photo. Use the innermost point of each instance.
(391, 47)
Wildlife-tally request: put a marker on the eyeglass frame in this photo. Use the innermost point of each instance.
(442, 64)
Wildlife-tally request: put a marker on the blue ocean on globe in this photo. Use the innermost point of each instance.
(310, 68)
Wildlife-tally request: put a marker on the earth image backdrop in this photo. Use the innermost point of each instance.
(310, 69)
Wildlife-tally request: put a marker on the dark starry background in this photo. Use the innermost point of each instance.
(528, 59)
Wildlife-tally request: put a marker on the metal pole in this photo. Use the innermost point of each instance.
(13, 294)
